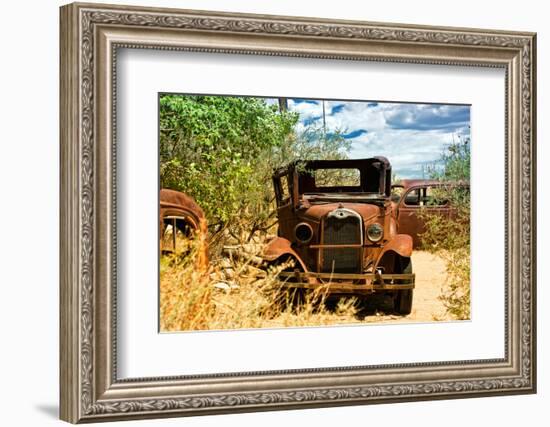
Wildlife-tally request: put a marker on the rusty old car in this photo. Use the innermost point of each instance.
(417, 199)
(181, 218)
(337, 227)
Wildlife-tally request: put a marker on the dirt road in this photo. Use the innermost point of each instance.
(430, 275)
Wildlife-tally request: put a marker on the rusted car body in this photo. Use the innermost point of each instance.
(181, 216)
(341, 237)
(415, 198)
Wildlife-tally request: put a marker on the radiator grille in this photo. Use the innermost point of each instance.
(341, 228)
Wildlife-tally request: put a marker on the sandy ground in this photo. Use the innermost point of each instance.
(430, 275)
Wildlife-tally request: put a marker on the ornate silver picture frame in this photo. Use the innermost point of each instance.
(90, 388)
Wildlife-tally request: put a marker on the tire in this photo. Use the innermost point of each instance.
(403, 299)
(292, 298)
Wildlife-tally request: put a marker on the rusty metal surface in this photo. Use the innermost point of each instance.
(301, 200)
(316, 212)
(180, 205)
(172, 200)
(401, 244)
(339, 289)
(354, 283)
(409, 218)
(279, 247)
(409, 183)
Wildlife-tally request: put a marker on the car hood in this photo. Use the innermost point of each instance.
(365, 210)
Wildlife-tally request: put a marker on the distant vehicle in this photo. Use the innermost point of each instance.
(337, 223)
(413, 196)
(181, 218)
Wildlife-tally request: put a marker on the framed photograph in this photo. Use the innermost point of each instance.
(267, 212)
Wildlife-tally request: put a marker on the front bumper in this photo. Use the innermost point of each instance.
(343, 283)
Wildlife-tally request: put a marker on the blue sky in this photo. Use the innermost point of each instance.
(411, 136)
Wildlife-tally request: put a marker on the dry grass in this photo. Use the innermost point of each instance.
(450, 239)
(234, 294)
(455, 294)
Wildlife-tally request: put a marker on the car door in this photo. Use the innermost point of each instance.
(413, 204)
(285, 212)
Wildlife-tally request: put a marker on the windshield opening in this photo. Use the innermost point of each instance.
(336, 180)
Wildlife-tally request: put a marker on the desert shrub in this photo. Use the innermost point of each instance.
(455, 295)
(449, 237)
(210, 148)
(444, 233)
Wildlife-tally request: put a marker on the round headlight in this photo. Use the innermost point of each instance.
(303, 232)
(375, 232)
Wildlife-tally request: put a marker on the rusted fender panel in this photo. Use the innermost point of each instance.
(402, 244)
(278, 247)
(172, 199)
(176, 203)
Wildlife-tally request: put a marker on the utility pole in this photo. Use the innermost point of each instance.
(324, 119)
(283, 104)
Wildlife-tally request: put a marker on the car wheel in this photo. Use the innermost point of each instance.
(403, 299)
(289, 298)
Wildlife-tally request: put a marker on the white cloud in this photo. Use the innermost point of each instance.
(409, 152)
(411, 136)
(306, 109)
(356, 115)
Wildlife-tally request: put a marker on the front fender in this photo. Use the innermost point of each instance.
(279, 247)
(402, 244)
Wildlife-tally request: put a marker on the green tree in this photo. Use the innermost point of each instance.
(313, 143)
(222, 151)
(456, 162)
(210, 147)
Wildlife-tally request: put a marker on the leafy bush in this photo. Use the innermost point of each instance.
(449, 237)
(222, 151)
(446, 233)
(455, 294)
(210, 146)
